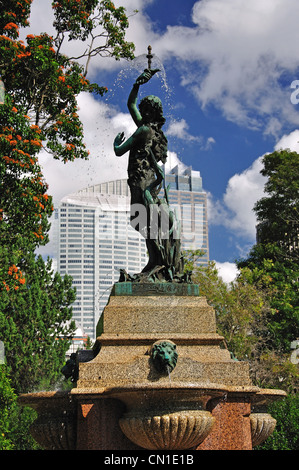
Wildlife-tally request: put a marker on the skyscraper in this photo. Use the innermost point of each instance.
(96, 240)
(186, 194)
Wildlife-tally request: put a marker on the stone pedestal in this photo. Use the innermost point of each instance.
(123, 402)
(132, 324)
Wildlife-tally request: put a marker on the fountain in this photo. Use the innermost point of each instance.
(158, 377)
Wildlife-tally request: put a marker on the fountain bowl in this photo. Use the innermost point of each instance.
(176, 430)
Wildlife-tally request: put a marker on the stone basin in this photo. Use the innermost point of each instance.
(164, 416)
(55, 426)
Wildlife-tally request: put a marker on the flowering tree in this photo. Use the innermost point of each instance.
(40, 109)
(40, 112)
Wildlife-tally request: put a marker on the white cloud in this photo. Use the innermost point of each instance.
(235, 56)
(290, 141)
(235, 210)
(242, 191)
(210, 141)
(174, 160)
(227, 271)
(179, 128)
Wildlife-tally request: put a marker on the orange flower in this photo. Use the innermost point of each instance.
(6, 286)
(14, 109)
(35, 142)
(70, 146)
(10, 26)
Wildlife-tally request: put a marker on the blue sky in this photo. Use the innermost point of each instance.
(226, 88)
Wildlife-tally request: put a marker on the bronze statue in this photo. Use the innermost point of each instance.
(156, 222)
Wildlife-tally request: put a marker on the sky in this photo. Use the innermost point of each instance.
(229, 92)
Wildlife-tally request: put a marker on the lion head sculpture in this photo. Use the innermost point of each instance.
(164, 356)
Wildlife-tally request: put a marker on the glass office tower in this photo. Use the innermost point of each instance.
(96, 240)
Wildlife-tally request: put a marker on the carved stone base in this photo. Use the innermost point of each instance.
(55, 427)
(179, 430)
(262, 426)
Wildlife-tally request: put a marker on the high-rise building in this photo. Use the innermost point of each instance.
(187, 195)
(96, 240)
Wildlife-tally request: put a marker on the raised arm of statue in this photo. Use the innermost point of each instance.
(121, 146)
(132, 100)
(132, 105)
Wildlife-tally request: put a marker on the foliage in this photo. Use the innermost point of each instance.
(35, 325)
(14, 420)
(24, 203)
(191, 258)
(273, 261)
(101, 23)
(243, 313)
(278, 210)
(286, 433)
(240, 308)
(7, 398)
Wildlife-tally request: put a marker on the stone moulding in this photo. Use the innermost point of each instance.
(262, 426)
(179, 430)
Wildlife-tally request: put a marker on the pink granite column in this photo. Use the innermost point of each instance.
(97, 425)
(232, 430)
